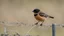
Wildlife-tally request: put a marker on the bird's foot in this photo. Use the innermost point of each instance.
(36, 23)
(41, 24)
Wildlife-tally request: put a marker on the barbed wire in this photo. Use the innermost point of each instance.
(21, 23)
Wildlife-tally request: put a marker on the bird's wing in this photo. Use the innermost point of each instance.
(45, 15)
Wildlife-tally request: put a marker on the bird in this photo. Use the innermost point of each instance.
(40, 16)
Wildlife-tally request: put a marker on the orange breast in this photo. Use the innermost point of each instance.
(39, 18)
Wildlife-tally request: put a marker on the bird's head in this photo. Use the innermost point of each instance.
(36, 10)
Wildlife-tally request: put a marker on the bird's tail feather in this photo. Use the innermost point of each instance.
(51, 17)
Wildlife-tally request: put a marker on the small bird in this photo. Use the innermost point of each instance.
(40, 16)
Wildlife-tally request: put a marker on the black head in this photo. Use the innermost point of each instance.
(36, 10)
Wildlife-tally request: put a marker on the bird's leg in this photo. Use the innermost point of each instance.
(41, 23)
(36, 23)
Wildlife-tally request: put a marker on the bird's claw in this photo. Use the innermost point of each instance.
(36, 23)
(40, 24)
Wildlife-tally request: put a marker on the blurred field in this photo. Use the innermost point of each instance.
(21, 10)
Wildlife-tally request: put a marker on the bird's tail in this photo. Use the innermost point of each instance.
(51, 17)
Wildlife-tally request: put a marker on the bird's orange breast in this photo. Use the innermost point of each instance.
(40, 18)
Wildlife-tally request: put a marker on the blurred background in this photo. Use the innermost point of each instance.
(21, 11)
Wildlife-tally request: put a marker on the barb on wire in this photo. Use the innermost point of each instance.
(12, 23)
